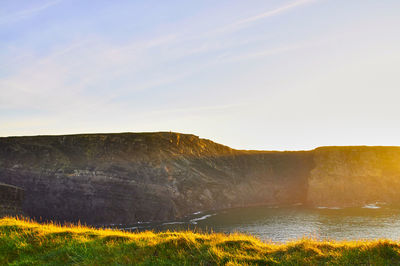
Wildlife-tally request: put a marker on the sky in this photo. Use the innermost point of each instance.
(259, 74)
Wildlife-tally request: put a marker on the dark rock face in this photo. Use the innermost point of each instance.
(130, 177)
(11, 198)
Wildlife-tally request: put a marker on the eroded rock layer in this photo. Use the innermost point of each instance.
(125, 178)
(11, 198)
(131, 177)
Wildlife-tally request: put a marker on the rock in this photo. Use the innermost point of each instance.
(130, 177)
(355, 176)
(11, 198)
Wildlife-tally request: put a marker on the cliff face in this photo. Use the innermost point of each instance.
(130, 177)
(125, 178)
(11, 198)
(353, 176)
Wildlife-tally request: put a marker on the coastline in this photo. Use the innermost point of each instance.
(23, 241)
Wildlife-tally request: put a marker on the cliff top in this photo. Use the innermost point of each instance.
(161, 137)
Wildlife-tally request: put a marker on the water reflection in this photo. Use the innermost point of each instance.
(292, 222)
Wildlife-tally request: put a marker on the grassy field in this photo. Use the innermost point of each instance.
(24, 242)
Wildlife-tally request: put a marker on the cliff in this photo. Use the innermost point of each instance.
(354, 176)
(131, 177)
(11, 198)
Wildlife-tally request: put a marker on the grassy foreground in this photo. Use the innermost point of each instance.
(24, 242)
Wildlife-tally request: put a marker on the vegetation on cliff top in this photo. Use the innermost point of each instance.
(26, 242)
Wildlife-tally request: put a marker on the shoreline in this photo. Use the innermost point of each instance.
(23, 241)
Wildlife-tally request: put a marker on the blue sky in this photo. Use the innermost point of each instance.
(274, 75)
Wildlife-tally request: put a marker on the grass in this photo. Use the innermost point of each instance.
(24, 242)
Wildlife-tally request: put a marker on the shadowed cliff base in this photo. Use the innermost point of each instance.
(11, 198)
(131, 177)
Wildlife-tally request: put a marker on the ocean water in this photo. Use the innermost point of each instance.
(284, 223)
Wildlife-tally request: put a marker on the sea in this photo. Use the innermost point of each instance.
(282, 224)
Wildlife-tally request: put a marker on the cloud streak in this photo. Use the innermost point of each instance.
(253, 19)
(27, 13)
(274, 12)
(276, 50)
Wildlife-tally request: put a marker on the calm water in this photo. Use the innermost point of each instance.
(281, 224)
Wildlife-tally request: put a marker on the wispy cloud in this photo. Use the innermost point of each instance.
(275, 50)
(68, 74)
(23, 14)
(80, 78)
(274, 12)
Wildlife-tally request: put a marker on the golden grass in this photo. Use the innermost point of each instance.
(23, 241)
